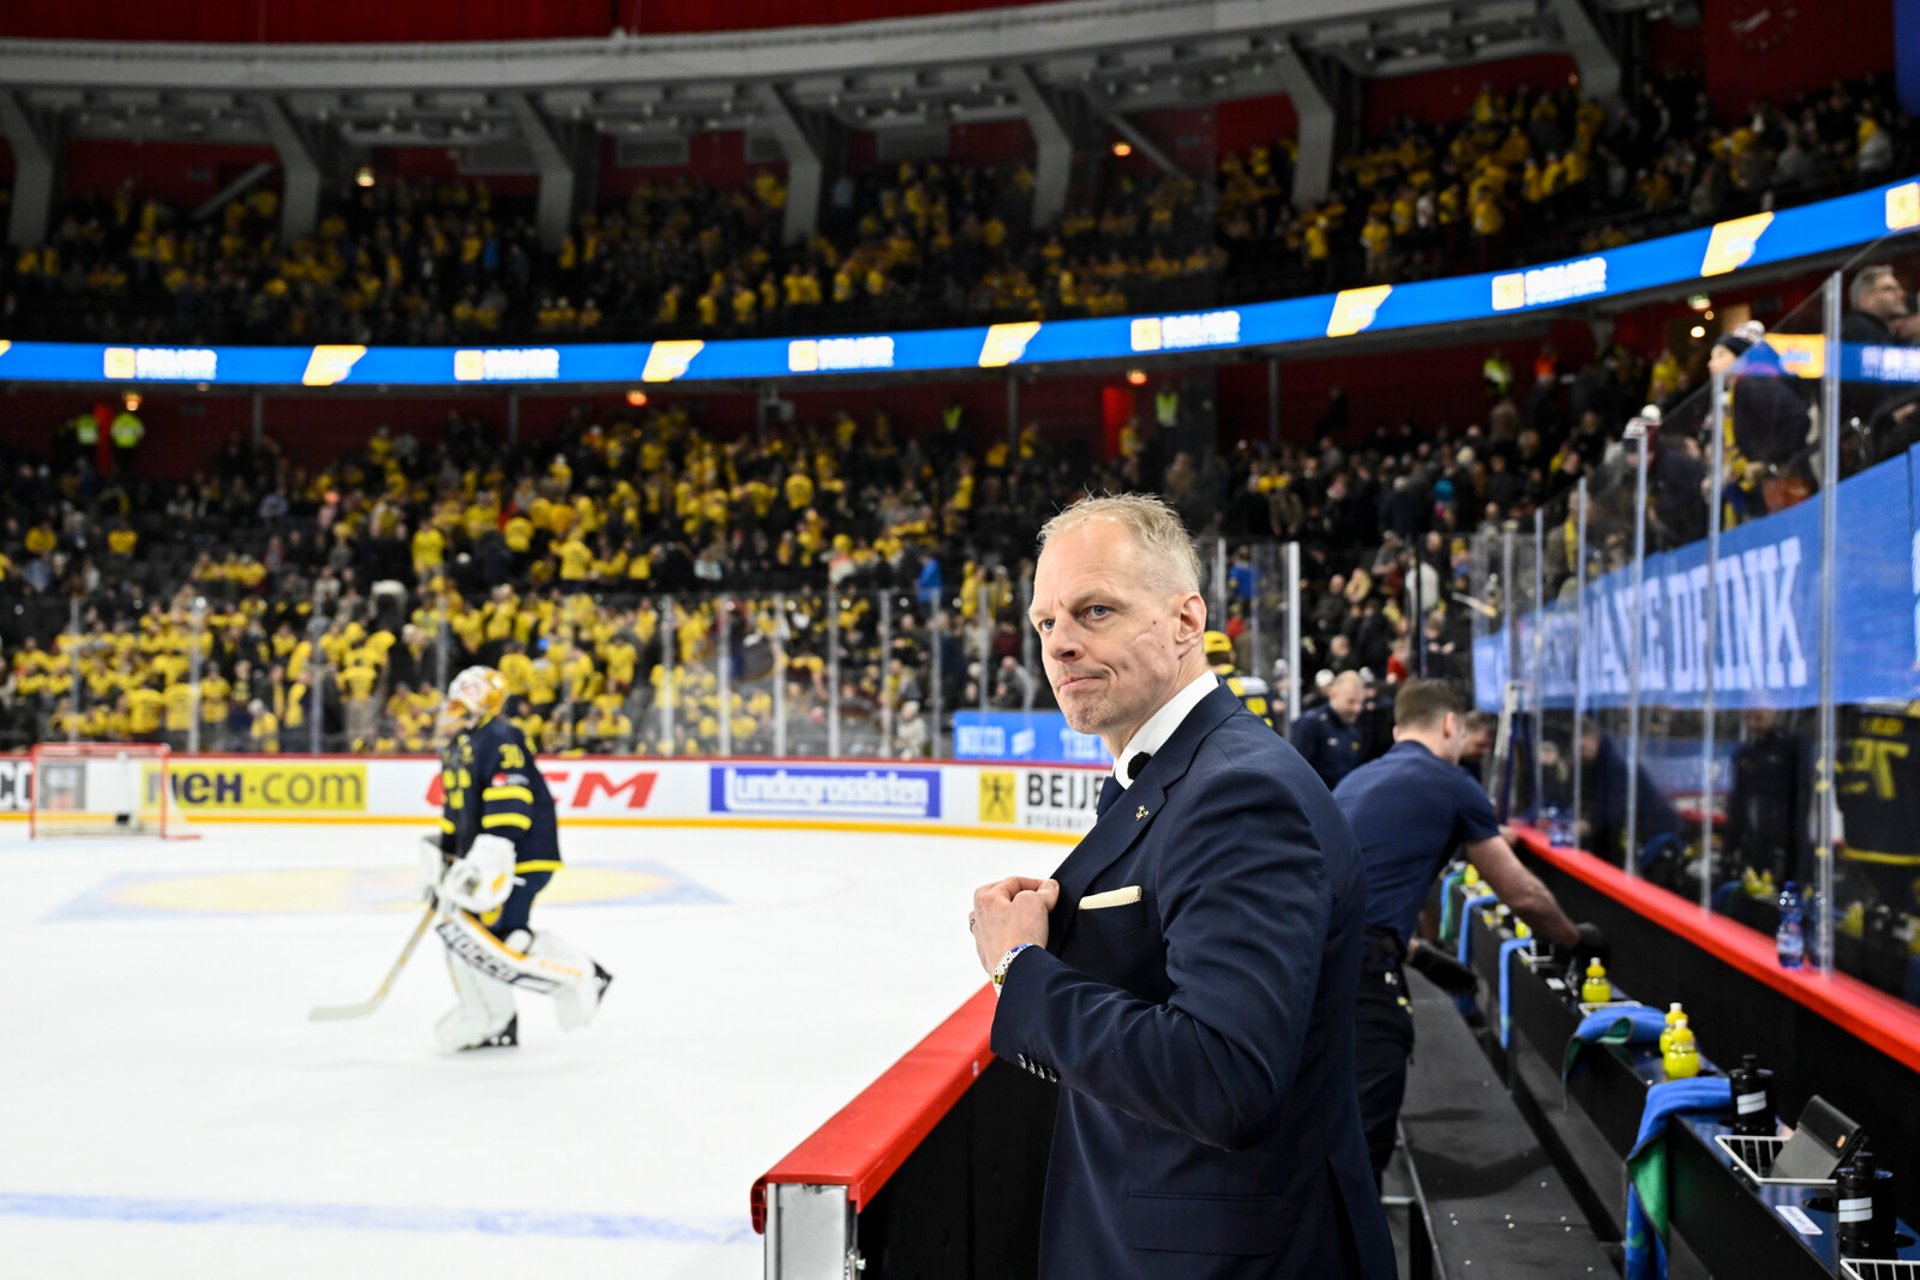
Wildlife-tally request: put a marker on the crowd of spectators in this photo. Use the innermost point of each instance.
(844, 576)
(1524, 176)
(1537, 174)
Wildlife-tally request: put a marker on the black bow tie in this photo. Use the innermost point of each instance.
(1135, 765)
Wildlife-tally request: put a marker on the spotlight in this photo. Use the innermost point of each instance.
(1698, 331)
(637, 398)
(1123, 149)
(363, 176)
(1137, 377)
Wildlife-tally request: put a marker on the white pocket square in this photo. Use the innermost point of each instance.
(1111, 898)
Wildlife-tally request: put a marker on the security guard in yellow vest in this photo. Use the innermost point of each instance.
(126, 432)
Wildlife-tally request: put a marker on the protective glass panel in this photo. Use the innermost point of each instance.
(1871, 660)
(1605, 746)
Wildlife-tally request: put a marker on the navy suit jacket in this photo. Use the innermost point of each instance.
(1203, 1035)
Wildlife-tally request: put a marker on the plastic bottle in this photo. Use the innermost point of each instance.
(1865, 1206)
(1559, 827)
(1596, 989)
(1752, 1086)
(1675, 1015)
(1789, 939)
(1814, 907)
(1681, 1056)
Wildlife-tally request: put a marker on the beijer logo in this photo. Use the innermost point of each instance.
(592, 784)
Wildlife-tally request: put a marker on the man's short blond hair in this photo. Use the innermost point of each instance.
(1156, 528)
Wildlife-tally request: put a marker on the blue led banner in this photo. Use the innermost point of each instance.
(1759, 239)
(1040, 737)
(1766, 649)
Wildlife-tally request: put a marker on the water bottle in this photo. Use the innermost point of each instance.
(1752, 1086)
(1675, 1016)
(1816, 906)
(1682, 1055)
(1864, 1200)
(1789, 940)
(1596, 989)
(1559, 827)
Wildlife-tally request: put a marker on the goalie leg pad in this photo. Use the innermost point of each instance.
(484, 1018)
(521, 966)
(576, 1003)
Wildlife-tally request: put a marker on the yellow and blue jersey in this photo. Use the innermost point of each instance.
(493, 786)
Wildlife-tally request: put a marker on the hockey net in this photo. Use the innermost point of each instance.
(104, 789)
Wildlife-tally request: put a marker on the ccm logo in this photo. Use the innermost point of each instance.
(581, 793)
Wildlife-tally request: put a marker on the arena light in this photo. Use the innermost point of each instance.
(1123, 149)
(637, 398)
(1138, 377)
(1699, 302)
(132, 402)
(1698, 331)
(363, 176)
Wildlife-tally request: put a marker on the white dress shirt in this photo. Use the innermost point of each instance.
(1153, 735)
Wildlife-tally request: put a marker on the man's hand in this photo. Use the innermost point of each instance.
(1008, 913)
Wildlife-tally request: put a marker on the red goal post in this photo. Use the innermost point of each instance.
(104, 789)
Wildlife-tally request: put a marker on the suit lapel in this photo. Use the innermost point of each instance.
(1123, 824)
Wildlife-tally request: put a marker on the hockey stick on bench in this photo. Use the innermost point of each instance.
(342, 1012)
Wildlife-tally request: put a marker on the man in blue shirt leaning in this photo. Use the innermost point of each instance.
(1409, 810)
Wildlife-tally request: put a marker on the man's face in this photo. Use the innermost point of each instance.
(1112, 635)
(1885, 298)
(1346, 701)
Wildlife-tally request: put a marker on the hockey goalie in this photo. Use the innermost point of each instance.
(498, 846)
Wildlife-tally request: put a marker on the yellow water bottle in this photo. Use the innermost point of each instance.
(1682, 1056)
(1596, 989)
(1675, 1016)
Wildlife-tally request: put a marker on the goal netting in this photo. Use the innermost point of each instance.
(103, 789)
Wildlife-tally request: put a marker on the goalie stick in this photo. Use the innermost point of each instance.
(342, 1012)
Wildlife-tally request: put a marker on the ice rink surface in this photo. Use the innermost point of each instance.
(167, 1110)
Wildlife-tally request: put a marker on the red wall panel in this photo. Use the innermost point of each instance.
(717, 159)
(360, 21)
(315, 21)
(990, 143)
(1254, 121)
(1442, 97)
(1834, 39)
(442, 164)
(183, 174)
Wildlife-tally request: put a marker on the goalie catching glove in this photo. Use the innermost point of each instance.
(483, 879)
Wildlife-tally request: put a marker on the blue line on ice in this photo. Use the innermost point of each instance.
(370, 1217)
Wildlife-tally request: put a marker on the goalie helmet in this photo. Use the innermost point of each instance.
(476, 695)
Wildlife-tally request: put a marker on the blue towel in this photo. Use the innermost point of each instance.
(1629, 1024)
(1506, 988)
(1647, 1208)
(1447, 882)
(1467, 909)
(1723, 896)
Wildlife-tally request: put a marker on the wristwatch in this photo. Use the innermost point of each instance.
(1006, 962)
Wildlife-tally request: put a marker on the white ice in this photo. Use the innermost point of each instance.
(166, 1109)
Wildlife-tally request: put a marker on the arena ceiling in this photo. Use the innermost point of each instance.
(1119, 56)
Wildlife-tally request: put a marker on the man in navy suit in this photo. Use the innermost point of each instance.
(1188, 974)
